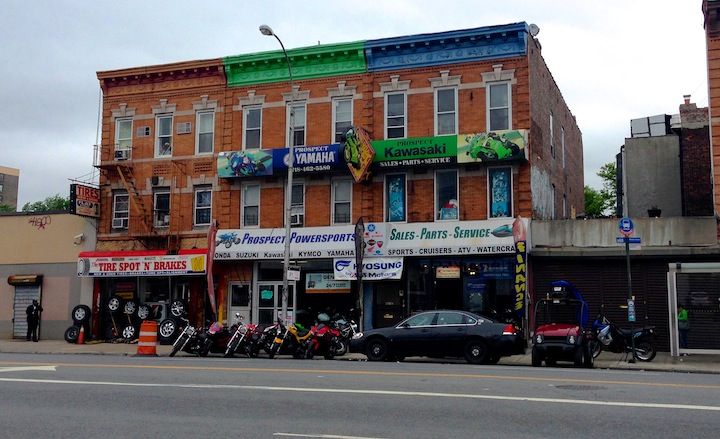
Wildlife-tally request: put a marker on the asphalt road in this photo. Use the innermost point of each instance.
(82, 396)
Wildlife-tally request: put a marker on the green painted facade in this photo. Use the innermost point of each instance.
(307, 63)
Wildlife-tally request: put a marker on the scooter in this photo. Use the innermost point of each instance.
(609, 337)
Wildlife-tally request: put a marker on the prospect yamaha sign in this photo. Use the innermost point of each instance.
(444, 238)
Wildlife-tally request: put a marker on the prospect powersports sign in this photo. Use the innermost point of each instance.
(165, 265)
(395, 153)
(373, 269)
(381, 239)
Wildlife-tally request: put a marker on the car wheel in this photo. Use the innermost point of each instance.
(177, 308)
(167, 331)
(129, 332)
(130, 307)
(71, 334)
(589, 359)
(376, 349)
(476, 352)
(143, 312)
(114, 304)
(579, 360)
(550, 362)
(80, 314)
(536, 358)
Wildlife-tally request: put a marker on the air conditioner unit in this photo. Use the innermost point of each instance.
(120, 223)
(155, 180)
(142, 132)
(297, 219)
(122, 154)
(183, 128)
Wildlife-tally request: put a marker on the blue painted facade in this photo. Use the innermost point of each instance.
(452, 47)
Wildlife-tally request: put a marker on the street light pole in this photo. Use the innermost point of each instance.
(267, 30)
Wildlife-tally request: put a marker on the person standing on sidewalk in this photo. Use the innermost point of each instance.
(683, 326)
(33, 319)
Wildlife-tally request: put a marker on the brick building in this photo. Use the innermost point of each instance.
(9, 181)
(456, 134)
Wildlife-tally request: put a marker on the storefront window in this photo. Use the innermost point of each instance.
(500, 184)
(446, 195)
(395, 197)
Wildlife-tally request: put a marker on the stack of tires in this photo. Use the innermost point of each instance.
(81, 318)
(125, 318)
(169, 329)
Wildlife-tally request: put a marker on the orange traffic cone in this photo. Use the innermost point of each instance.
(81, 336)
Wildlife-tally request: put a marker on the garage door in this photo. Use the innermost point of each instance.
(24, 296)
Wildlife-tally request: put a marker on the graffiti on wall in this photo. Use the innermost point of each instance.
(40, 221)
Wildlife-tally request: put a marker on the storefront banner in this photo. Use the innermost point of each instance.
(165, 265)
(441, 238)
(358, 153)
(325, 283)
(373, 269)
(397, 153)
(85, 200)
(492, 147)
(246, 163)
(308, 159)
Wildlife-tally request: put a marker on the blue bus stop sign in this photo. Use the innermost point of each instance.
(626, 226)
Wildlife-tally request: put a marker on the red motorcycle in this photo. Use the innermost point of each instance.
(244, 338)
(326, 339)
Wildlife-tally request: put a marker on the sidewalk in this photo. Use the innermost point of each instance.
(663, 361)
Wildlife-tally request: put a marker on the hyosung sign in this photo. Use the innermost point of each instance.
(373, 269)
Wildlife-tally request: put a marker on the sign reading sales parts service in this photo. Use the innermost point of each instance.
(373, 269)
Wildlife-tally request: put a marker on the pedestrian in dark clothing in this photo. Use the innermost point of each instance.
(33, 319)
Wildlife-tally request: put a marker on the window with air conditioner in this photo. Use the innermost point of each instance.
(121, 211)
(203, 205)
(252, 127)
(161, 208)
(342, 201)
(498, 106)
(163, 142)
(296, 114)
(251, 205)
(297, 205)
(123, 134)
(342, 117)
(205, 132)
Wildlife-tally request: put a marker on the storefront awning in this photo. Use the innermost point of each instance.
(142, 263)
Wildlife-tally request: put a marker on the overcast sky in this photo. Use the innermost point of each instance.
(614, 60)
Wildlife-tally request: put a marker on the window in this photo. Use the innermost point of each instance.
(562, 144)
(297, 205)
(342, 117)
(298, 132)
(445, 111)
(451, 318)
(252, 127)
(498, 106)
(500, 188)
(251, 205)
(163, 146)
(205, 132)
(424, 319)
(342, 201)
(446, 195)
(395, 115)
(395, 198)
(121, 211)
(552, 137)
(203, 205)
(1, 187)
(123, 134)
(161, 207)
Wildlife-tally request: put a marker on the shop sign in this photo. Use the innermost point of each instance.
(325, 283)
(417, 151)
(374, 237)
(246, 163)
(164, 265)
(491, 147)
(451, 272)
(358, 153)
(85, 200)
(308, 159)
(373, 269)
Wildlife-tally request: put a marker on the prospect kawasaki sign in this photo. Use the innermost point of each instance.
(493, 236)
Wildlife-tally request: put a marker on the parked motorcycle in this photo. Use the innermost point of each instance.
(326, 340)
(245, 338)
(347, 328)
(609, 337)
(201, 341)
(291, 339)
(186, 340)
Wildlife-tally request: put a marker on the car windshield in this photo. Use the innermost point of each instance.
(558, 311)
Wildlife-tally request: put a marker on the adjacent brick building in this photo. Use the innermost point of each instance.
(468, 128)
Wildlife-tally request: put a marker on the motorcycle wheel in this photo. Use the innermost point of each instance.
(645, 351)
(176, 346)
(596, 349)
(341, 348)
(231, 347)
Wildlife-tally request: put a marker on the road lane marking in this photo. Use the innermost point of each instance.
(381, 373)
(376, 392)
(26, 368)
(327, 436)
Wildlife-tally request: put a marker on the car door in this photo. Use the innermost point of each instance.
(413, 335)
(449, 333)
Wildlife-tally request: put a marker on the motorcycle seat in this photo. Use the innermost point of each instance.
(628, 331)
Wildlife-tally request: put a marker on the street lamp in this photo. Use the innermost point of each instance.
(267, 31)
